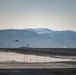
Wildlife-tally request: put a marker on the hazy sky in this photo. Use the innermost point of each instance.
(52, 14)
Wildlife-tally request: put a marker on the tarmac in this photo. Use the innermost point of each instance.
(39, 65)
(53, 68)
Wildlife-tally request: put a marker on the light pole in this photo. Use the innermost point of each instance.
(24, 56)
(44, 56)
(37, 55)
(50, 56)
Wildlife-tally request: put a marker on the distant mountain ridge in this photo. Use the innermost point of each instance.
(37, 38)
(40, 30)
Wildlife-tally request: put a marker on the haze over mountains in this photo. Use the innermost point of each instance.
(37, 38)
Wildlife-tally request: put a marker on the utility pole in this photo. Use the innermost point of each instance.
(24, 56)
(44, 56)
(37, 55)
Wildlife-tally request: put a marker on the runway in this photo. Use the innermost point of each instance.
(41, 65)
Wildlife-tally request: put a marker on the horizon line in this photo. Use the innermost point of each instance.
(36, 28)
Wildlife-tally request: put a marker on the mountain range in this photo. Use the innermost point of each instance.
(37, 38)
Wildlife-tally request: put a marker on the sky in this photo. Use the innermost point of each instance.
(52, 14)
